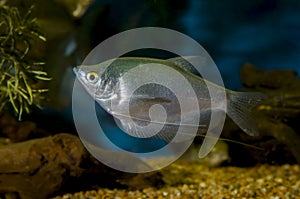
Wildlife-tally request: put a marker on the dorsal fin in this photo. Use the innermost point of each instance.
(183, 62)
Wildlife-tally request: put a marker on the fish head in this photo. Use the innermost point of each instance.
(96, 81)
(89, 77)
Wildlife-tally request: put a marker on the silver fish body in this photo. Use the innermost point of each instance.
(111, 87)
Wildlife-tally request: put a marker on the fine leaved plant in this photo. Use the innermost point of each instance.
(21, 75)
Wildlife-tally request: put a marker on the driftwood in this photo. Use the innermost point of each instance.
(39, 167)
(43, 167)
(278, 116)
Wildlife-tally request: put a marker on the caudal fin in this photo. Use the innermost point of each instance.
(239, 108)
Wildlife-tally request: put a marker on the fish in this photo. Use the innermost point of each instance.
(133, 105)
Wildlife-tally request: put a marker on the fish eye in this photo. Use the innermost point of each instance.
(92, 77)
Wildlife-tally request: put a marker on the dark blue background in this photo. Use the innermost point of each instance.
(263, 32)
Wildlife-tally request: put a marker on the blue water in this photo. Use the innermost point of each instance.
(265, 33)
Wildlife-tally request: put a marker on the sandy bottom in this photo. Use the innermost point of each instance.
(191, 180)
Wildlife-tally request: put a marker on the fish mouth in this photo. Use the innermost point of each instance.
(78, 73)
(75, 70)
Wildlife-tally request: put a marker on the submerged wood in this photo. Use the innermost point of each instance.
(279, 115)
(39, 167)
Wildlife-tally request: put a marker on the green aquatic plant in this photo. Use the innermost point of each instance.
(21, 76)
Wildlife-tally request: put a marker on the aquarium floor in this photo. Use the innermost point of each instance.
(191, 180)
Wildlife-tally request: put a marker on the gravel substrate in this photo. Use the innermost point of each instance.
(191, 180)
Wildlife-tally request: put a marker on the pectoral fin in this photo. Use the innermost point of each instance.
(152, 99)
